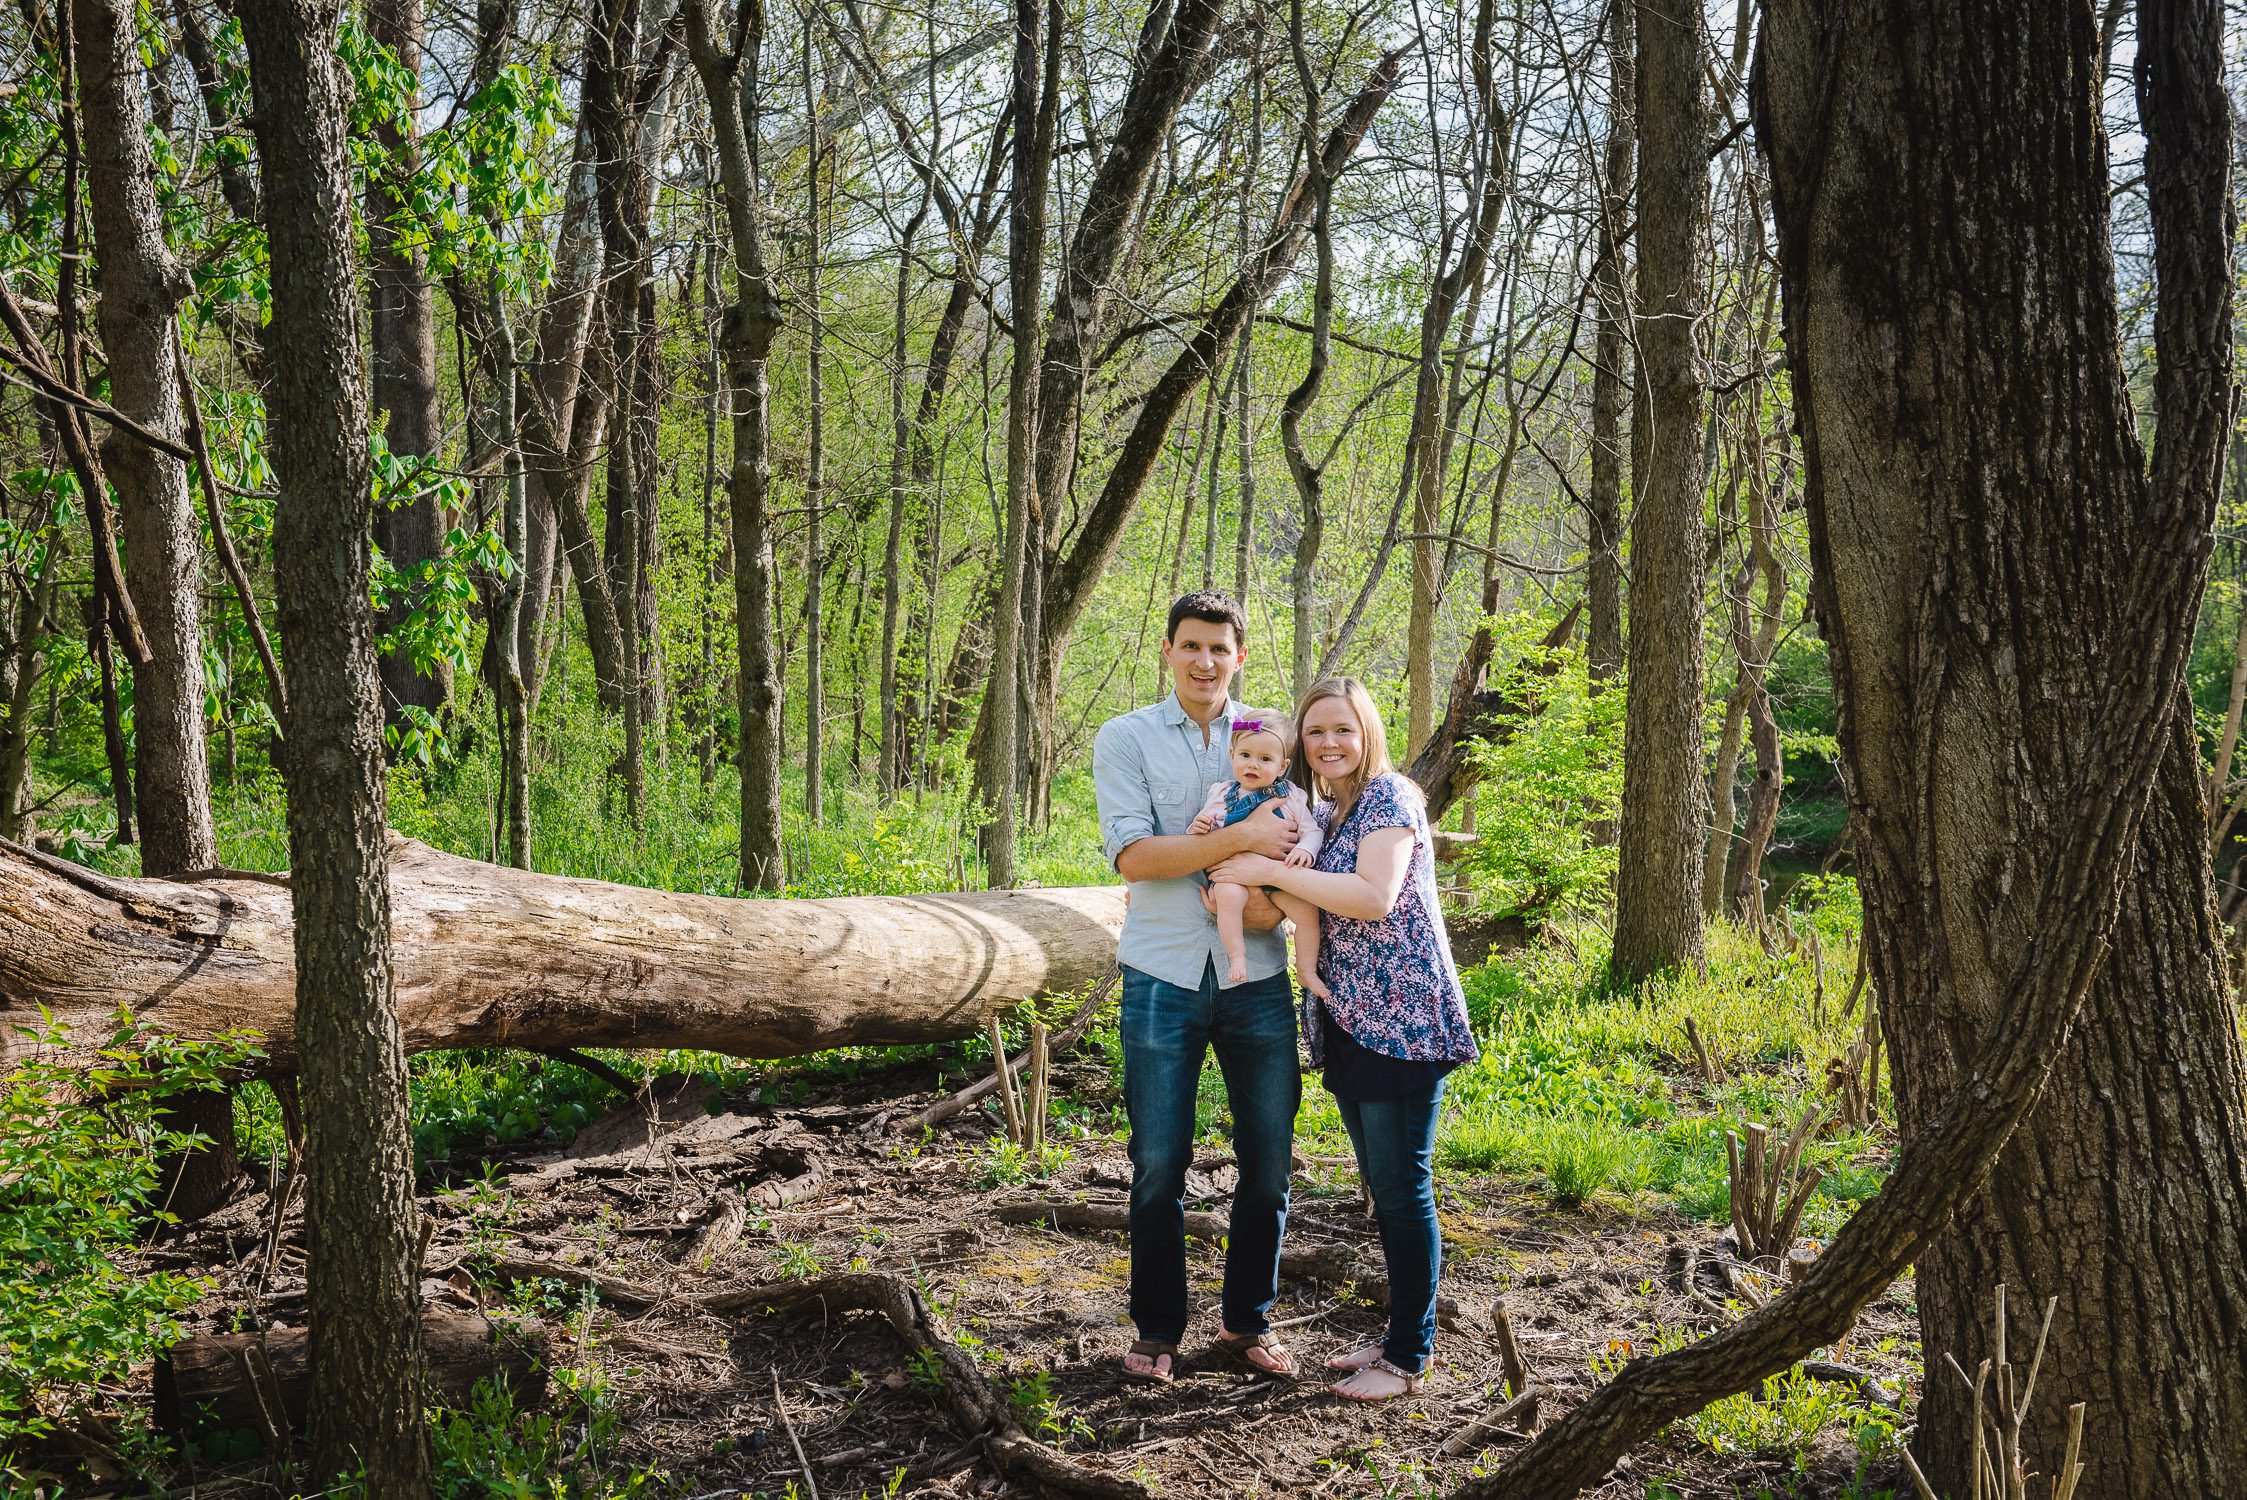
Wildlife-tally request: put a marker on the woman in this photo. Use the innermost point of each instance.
(1396, 1021)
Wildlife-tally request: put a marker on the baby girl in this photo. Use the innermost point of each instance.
(1262, 742)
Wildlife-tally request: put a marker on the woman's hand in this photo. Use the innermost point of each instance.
(1245, 869)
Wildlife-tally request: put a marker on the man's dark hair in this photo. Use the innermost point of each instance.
(1211, 608)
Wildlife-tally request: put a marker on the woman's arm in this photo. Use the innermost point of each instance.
(1366, 894)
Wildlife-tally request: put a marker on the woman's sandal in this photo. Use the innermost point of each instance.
(1356, 1360)
(1235, 1346)
(1154, 1349)
(1412, 1383)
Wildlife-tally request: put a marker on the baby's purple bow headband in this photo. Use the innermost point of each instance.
(1246, 726)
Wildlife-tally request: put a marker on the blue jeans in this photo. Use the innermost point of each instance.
(1166, 1032)
(1395, 1139)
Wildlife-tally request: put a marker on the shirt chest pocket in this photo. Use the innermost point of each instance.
(1175, 805)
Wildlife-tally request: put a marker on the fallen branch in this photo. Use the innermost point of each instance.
(1484, 1430)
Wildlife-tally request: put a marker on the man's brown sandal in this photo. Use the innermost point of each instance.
(1412, 1383)
(1235, 1348)
(1154, 1349)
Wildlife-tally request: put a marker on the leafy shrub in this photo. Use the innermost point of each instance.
(79, 1155)
(1559, 775)
(490, 1450)
(1782, 1418)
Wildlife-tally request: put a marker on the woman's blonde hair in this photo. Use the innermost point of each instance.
(1371, 732)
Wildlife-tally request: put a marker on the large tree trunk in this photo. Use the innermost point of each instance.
(403, 351)
(141, 286)
(2010, 612)
(1980, 341)
(1663, 812)
(360, 1219)
(140, 290)
(486, 956)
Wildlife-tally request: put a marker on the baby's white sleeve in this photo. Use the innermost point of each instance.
(1300, 805)
(1215, 806)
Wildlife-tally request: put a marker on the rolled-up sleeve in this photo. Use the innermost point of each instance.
(1119, 781)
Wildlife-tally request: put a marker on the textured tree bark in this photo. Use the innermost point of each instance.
(1603, 520)
(815, 485)
(485, 956)
(141, 286)
(729, 78)
(1663, 813)
(1309, 478)
(1980, 341)
(1174, 48)
(360, 1221)
(554, 464)
(402, 354)
(2010, 599)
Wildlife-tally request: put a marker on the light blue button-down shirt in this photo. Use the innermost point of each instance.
(1152, 772)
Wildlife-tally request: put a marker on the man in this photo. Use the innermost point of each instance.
(1152, 769)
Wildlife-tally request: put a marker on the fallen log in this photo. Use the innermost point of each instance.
(205, 1380)
(490, 956)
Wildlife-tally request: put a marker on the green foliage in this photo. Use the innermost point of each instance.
(487, 1097)
(1584, 1156)
(1007, 1165)
(79, 1156)
(1042, 1412)
(491, 1450)
(1781, 1418)
(1557, 775)
(1596, 1091)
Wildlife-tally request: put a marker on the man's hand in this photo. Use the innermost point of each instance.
(1270, 831)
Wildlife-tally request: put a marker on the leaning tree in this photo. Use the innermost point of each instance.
(1988, 534)
(2008, 588)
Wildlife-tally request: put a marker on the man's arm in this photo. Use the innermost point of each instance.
(1268, 830)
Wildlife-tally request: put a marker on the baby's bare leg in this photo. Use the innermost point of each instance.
(1305, 916)
(1230, 901)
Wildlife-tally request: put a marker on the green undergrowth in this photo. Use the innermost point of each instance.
(1599, 1095)
(688, 836)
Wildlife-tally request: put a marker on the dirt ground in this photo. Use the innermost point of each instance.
(631, 1201)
